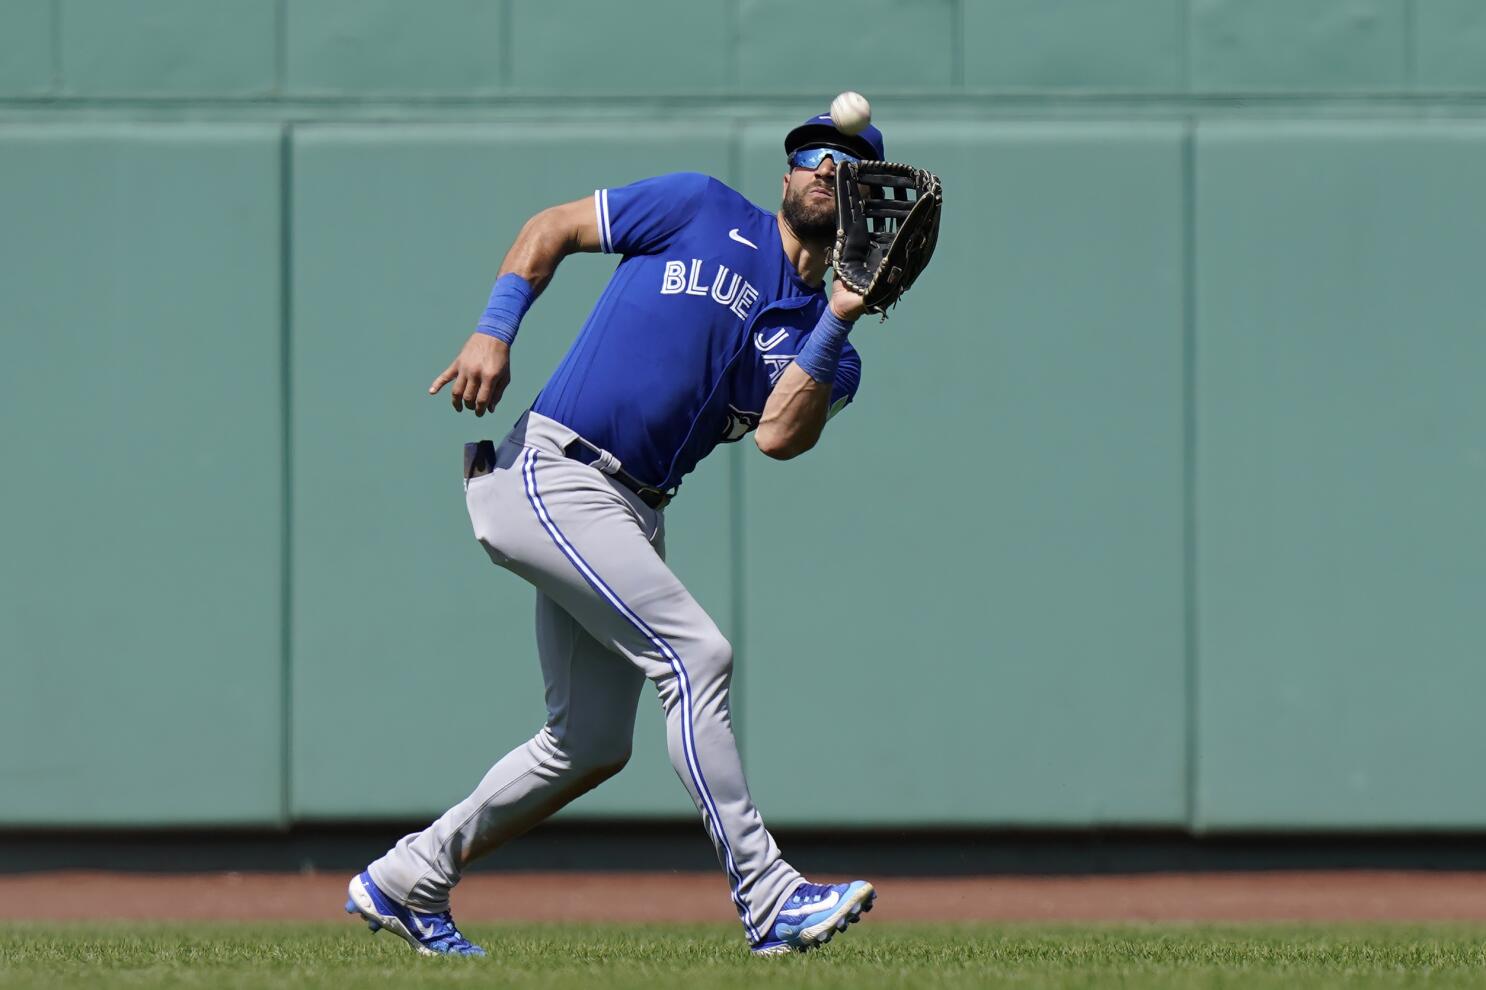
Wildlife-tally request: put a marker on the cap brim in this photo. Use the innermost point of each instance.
(809, 135)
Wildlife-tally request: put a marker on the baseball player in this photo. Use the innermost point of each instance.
(715, 324)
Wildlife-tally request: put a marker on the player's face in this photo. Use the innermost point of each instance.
(810, 201)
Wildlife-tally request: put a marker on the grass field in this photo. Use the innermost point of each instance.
(700, 957)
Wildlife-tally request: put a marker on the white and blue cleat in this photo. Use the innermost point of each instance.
(429, 934)
(813, 915)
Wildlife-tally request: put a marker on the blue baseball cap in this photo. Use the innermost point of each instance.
(819, 130)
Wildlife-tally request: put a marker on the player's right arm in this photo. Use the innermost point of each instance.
(483, 368)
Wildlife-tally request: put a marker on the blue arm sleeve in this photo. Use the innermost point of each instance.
(510, 298)
(848, 378)
(642, 217)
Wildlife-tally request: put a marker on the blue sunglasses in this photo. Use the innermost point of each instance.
(812, 157)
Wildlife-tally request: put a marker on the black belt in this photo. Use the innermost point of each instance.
(653, 497)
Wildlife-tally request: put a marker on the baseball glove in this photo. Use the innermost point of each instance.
(887, 223)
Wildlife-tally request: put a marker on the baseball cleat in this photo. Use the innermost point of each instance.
(429, 934)
(813, 915)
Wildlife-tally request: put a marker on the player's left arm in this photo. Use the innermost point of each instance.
(798, 407)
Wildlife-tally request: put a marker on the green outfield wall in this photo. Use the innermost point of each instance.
(1163, 503)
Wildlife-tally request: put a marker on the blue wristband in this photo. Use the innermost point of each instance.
(822, 352)
(509, 300)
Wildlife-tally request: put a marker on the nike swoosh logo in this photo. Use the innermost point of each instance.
(425, 932)
(824, 905)
(741, 239)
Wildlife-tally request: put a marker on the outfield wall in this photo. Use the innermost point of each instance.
(1161, 506)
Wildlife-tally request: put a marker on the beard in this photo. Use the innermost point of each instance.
(811, 220)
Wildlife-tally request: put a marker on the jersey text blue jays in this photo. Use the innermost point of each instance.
(700, 318)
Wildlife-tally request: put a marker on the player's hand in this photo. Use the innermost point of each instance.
(846, 304)
(480, 374)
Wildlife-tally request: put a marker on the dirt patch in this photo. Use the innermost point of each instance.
(1311, 896)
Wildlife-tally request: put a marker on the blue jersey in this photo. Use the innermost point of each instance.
(696, 325)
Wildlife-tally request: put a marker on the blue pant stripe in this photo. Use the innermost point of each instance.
(688, 738)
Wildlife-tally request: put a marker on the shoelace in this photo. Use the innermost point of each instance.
(448, 936)
(817, 891)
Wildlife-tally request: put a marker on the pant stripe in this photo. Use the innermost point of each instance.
(688, 738)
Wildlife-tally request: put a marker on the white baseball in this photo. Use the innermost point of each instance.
(851, 113)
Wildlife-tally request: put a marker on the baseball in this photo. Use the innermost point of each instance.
(851, 113)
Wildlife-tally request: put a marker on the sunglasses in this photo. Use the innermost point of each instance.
(812, 157)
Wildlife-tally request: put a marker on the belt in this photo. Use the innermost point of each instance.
(581, 452)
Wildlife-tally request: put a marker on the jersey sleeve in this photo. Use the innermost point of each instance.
(642, 217)
(848, 377)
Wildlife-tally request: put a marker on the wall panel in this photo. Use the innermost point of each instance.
(1450, 45)
(1132, 46)
(895, 45)
(381, 47)
(26, 64)
(1342, 560)
(986, 565)
(168, 47)
(1307, 46)
(966, 603)
(140, 387)
(574, 46)
(408, 643)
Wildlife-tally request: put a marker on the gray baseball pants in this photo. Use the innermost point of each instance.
(610, 614)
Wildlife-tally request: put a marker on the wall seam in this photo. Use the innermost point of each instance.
(1184, 34)
(1410, 27)
(1189, 465)
(735, 42)
(281, 46)
(286, 493)
(975, 104)
(957, 46)
(505, 72)
(56, 43)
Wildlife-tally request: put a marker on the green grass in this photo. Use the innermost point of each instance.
(703, 957)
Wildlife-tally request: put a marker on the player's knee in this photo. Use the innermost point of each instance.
(712, 658)
(601, 764)
(604, 771)
(601, 756)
